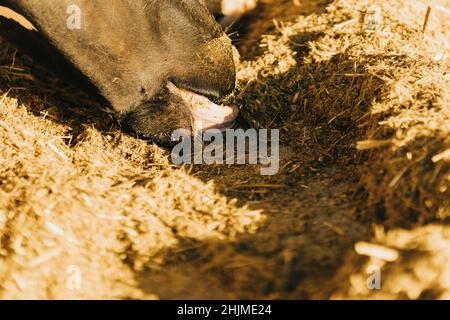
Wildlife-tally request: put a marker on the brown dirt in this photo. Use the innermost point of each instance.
(78, 194)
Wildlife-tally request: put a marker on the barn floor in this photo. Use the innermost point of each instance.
(87, 211)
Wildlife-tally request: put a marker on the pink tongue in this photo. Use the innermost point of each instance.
(214, 117)
(206, 114)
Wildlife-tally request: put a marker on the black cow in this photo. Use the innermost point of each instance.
(143, 56)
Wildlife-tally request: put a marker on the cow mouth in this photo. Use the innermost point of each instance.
(205, 113)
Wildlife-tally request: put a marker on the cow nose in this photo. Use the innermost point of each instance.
(209, 69)
(222, 52)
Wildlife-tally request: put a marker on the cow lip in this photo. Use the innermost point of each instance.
(206, 114)
(212, 95)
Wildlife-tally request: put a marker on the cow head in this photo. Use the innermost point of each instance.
(152, 60)
(196, 57)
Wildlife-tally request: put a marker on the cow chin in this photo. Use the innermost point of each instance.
(157, 120)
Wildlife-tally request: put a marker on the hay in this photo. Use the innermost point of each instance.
(361, 96)
(104, 204)
(336, 86)
(340, 80)
(421, 270)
